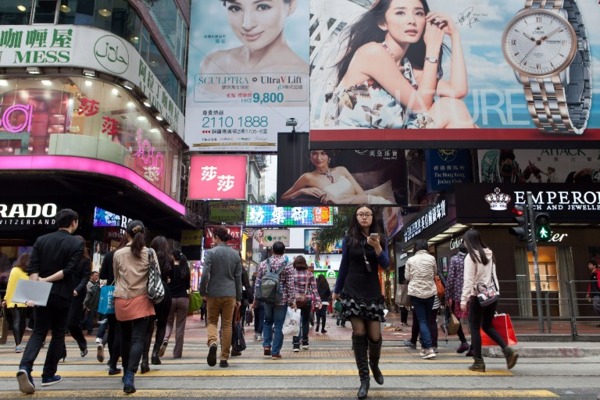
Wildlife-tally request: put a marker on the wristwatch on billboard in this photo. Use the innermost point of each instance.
(547, 46)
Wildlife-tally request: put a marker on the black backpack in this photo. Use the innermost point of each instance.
(92, 298)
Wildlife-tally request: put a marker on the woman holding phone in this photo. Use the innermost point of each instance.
(363, 250)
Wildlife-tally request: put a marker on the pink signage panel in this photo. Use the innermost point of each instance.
(218, 177)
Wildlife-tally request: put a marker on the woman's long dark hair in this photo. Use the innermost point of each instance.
(86, 252)
(322, 284)
(366, 30)
(137, 232)
(355, 235)
(163, 255)
(475, 246)
(184, 268)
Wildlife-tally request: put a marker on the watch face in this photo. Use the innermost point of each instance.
(539, 43)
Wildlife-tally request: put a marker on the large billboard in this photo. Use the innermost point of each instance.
(218, 177)
(539, 166)
(381, 79)
(313, 177)
(247, 74)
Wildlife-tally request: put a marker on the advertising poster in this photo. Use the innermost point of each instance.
(234, 230)
(247, 74)
(387, 88)
(313, 177)
(539, 166)
(311, 246)
(446, 167)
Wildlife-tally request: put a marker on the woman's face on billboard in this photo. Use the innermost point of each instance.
(319, 158)
(257, 23)
(405, 20)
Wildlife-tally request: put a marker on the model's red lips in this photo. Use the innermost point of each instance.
(412, 32)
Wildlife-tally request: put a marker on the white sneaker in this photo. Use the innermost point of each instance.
(98, 340)
(428, 354)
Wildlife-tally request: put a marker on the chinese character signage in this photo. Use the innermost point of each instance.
(218, 177)
(191, 237)
(446, 167)
(83, 47)
(261, 215)
(509, 77)
(425, 220)
(271, 236)
(247, 74)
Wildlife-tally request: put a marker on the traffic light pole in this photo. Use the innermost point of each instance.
(536, 267)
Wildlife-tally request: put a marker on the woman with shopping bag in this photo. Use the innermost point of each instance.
(480, 271)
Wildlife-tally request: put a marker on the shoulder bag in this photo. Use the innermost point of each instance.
(488, 295)
(302, 298)
(156, 289)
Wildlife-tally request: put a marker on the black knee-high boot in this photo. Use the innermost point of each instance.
(374, 354)
(360, 347)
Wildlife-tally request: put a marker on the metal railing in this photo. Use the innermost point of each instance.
(565, 307)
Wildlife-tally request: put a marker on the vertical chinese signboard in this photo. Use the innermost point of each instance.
(248, 73)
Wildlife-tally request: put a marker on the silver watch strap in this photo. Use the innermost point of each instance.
(557, 106)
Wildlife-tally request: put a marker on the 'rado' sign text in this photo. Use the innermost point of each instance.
(27, 214)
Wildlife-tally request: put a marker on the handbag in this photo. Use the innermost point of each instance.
(156, 289)
(488, 295)
(453, 323)
(238, 343)
(302, 298)
(106, 304)
(503, 324)
(403, 298)
(439, 286)
(3, 325)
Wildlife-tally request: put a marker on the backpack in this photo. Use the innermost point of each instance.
(92, 298)
(269, 289)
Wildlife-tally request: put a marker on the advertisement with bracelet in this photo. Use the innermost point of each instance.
(414, 73)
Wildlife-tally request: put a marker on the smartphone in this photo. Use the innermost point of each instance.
(374, 236)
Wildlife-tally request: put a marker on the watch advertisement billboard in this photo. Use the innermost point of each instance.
(386, 79)
(247, 74)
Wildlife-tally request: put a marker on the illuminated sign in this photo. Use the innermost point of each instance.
(218, 177)
(103, 218)
(13, 122)
(153, 162)
(271, 215)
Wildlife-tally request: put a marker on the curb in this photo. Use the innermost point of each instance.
(543, 352)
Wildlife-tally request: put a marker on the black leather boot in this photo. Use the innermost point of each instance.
(374, 354)
(511, 356)
(359, 345)
(155, 359)
(478, 365)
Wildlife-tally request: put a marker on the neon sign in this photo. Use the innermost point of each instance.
(13, 123)
(154, 163)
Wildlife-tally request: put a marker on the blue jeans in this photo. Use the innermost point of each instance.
(423, 309)
(272, 327)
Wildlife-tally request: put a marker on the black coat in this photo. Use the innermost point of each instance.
(52, 253)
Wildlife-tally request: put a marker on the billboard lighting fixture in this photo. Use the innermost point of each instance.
(89, 72)
(128, 85)
(34, 70)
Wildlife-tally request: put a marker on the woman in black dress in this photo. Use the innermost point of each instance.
(360, 292)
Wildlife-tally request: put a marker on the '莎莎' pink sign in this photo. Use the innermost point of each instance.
(218, 177)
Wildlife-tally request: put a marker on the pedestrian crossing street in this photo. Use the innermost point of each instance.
(329, 372)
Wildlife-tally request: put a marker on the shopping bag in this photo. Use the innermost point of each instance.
(402, 297)
(503, 324)
(195, 303)
(3, 325)
(106, 305)
(291, 324)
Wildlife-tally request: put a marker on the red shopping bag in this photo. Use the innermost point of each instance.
(504, 326)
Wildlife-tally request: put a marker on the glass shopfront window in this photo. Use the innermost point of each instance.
(77, 116)
(15, 12)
